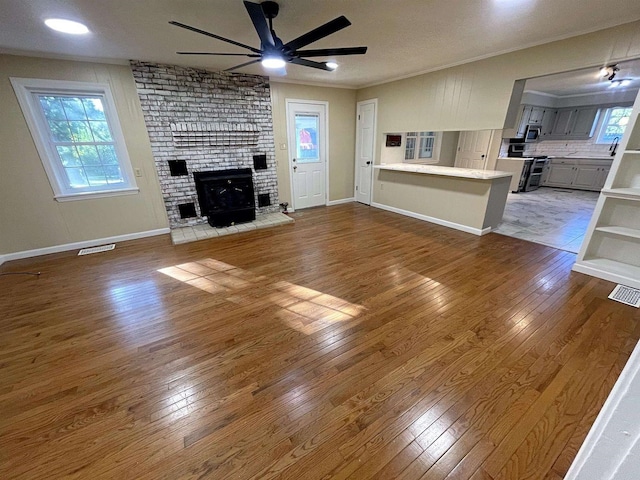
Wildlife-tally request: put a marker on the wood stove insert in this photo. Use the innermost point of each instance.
(226, 196)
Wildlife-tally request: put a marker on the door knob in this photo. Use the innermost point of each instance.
(295, 168)
(368, 163)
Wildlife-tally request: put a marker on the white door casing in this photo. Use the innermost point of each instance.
(307, 137)
(473, 149)
(365, 149)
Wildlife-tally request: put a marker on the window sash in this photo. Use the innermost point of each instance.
(29, 92)
(603, 136)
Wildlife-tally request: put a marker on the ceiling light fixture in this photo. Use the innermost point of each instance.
(609, 72)
(66, 26)
(273, 61)
(332, 65)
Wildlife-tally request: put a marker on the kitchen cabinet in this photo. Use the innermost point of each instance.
(611, 249)
(531, 115)
(579, 173)
(574, 123)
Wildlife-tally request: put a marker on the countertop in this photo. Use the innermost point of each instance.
(444, 171)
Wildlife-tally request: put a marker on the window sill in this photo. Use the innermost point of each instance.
(70, 197)
(422, 162)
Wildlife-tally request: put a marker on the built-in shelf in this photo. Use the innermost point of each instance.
(626, 193)
(612, 250)
(623, 231)
(611, 270)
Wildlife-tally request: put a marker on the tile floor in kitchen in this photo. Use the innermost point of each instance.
(552, 216)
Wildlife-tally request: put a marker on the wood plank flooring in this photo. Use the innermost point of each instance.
(355, 343)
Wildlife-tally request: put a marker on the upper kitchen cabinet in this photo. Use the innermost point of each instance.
(574, 123)
(531, 115)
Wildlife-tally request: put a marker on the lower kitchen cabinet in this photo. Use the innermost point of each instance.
(583, 174)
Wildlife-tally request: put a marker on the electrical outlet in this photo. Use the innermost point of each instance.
(283, 146)
(137, 172)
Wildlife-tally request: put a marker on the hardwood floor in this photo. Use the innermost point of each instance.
(355, 343)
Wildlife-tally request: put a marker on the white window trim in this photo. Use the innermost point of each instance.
(437, 144)
(25, 89)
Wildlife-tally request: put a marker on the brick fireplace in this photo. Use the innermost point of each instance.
(201, 121)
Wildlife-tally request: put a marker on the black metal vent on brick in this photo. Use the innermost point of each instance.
(178, 168)
(187, 210)
(260, 162)
(264, 200)
(226, 196)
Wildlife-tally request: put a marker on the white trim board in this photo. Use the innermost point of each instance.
(610, 448)
(78, 245)
(341, 201)
(437, 221)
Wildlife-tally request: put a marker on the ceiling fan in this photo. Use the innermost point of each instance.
(273, 53)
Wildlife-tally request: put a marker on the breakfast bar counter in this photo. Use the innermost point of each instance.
(465, 199)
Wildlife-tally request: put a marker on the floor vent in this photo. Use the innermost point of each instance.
(101, 248)
(628, 295)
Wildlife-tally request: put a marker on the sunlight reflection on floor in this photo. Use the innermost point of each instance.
(303, 309)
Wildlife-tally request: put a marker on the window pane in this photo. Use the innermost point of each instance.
(113, 173)
(77, 178)
(73, 108)
(88, 155)
(93, 108)
(426, 147)
(615, 124)
(60, 131)
(81, 131)
(108, 154)
(96, 176)
(307, 127)
(101, 131)
(52, 108)
(69, 156)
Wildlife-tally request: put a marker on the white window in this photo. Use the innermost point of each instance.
(614, 123)
(422, 147)
(78, 136)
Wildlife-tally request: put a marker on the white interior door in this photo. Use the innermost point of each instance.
(473, 149)
(306, 125)
(365, 147)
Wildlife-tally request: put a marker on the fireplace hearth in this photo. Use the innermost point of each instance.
(226, 196)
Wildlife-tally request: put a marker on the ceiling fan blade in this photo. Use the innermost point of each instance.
(213, 35)
(327, 52)
(317, 33)
(241, 65)
(309, 63)
(260, 23)
(224, 54)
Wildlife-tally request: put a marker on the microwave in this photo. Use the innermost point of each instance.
(532, 133)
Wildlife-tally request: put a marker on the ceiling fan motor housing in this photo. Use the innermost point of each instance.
(270, 9)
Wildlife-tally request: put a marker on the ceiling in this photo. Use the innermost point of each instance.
(405, 37)
(585, 81)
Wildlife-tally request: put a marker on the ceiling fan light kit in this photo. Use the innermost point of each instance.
(273, 53)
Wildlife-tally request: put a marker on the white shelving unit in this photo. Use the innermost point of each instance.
(611, 249)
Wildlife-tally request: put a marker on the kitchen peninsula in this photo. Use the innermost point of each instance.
(465, 199)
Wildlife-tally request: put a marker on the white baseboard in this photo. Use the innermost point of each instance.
(342, 200)
(78, 245)
(437, 221)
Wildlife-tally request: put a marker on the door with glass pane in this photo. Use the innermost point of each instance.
(307, 153)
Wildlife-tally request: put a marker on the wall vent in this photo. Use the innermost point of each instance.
(101, 248)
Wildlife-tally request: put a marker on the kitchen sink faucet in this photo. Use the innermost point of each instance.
(614, 146)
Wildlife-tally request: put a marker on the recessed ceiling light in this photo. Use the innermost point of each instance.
(332, 65)
(66, 26)
(273, 62)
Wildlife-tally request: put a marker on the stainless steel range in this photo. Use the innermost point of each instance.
(531, 177)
